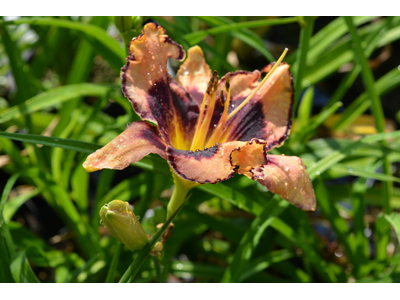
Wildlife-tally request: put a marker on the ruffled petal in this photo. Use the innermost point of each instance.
(248, 157)
(194, 74)
(287, 177)
(268, 116)
(137, 140)
(146, 83)
(204, 166)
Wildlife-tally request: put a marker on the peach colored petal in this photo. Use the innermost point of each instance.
(137, 140)
(204, 166)
(287, 177)
(146, 83)
(194, 74)
(248, 157)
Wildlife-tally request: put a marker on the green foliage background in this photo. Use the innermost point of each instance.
(60, 99)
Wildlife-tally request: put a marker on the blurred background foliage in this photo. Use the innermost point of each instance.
(60, 99)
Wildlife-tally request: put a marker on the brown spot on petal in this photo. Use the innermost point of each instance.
(287, 177)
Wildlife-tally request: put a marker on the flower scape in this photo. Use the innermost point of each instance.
(207, 128)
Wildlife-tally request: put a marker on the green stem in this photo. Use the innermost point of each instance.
(179, 194)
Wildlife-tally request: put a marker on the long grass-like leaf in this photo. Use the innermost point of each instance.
(6, 243)
(301, 59)
(21, 270)
(245, 35)
(377, 111)
(68, 144)
(98, 37)
(196, 37)
(394, 220)
(338, 155)
(53, 97)
(251, 239)
(114, 264)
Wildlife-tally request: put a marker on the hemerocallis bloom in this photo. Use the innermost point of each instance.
(208, 129)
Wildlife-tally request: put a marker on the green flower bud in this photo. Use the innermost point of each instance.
(122, 223)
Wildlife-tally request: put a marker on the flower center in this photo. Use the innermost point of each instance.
(203, 122)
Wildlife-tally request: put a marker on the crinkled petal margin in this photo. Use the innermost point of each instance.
(137, 140)
(146, 83)
(210, 165)
(287, 177)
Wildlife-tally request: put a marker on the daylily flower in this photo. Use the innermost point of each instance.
(207, 128)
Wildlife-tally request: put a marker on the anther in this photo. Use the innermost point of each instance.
(227, 84)
(222, 98)
(216, 85)
(210, 86)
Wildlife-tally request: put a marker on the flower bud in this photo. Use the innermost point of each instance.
(122, 223)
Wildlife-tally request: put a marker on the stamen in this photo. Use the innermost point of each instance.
(222, 98)
(200, 119)
(206, 123)
(259, 86)
(202, 125)
(216, 136)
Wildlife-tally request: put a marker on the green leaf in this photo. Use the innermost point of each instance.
(97, 37)
(53, 142)
(245, 35)
(301, 58)
(26, 84)
(338, 155)
(394, 220)
(377, 111)
(196, 37)
(53, 97)
(251, 239)
(235, 197)
(263, 262)
(80, 274)
(305, 109)
(383, 85)
(114, 263)
(6, 243)
(21, 270)
(11, 206)
(338, 224)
